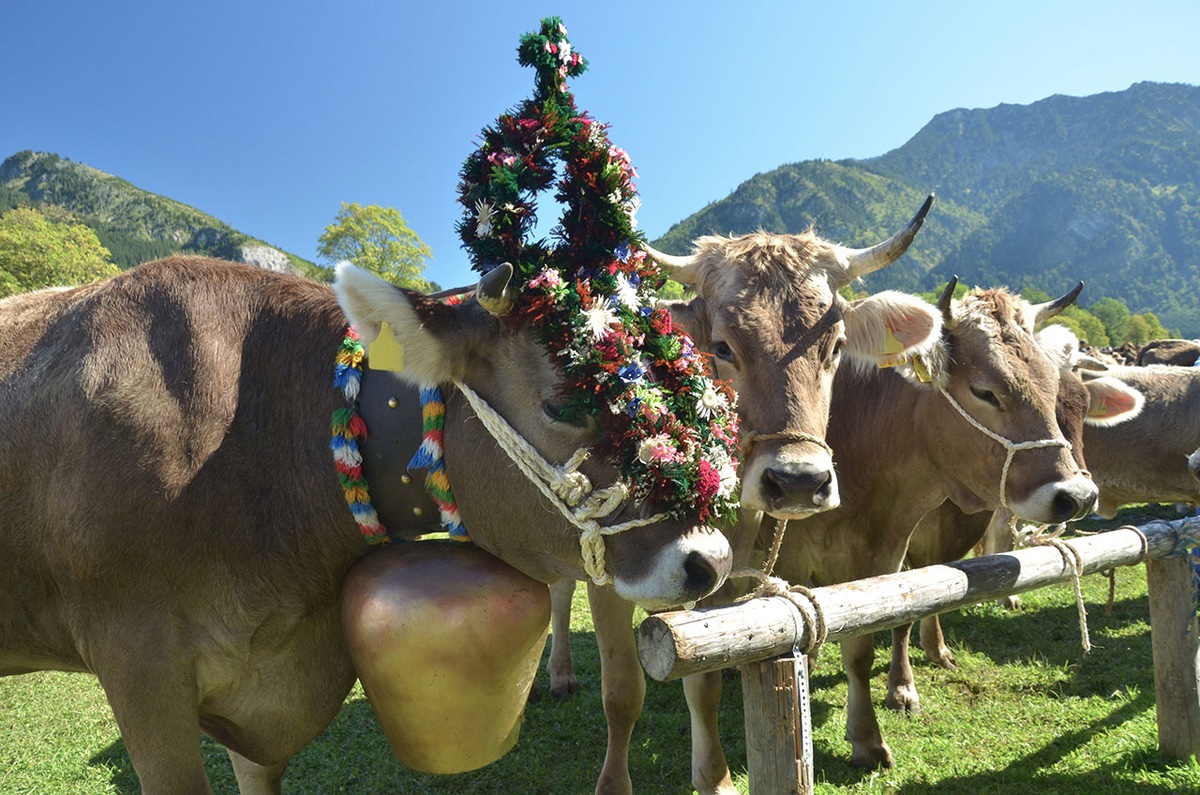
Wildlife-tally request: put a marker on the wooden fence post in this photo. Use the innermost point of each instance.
(778, 724)
(1175, 640)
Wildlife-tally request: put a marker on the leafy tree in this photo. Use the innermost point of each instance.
(1092, 327)
(45, 249)
(377, 239)
(1154, 328)
(1137, 331)
(1115, 317)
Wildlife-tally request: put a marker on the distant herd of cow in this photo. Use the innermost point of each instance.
(172, 522)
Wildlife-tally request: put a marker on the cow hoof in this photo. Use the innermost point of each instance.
(942, 657)
(564, 688)
(903, 699)
(873, 758)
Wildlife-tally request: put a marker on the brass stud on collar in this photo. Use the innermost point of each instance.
(392, 403)
(418, 511)
(406, 479)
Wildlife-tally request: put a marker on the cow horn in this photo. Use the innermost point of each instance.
(681, 269)
(493, 293)
(947, 296)
(1051, 308)
(868, 260)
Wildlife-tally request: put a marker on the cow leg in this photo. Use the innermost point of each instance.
(934, 644)
(902, 687)
(710, 770)
(563, 683)
(624, 686)
(256, 779)
(996, 539)
(862, 729)
(160, 724)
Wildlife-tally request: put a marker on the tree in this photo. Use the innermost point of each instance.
(377, 239)
(1137, 331)
(1154, 326)
(1115, 317)
(46, 249)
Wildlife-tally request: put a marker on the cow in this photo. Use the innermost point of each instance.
(1141, 460)
(1181, 353)
(767, 308)
(170, 515)
(972, 421)
(946, 534)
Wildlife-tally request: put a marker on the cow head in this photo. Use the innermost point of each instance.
(767, 307)
(662, 564)
(1003, 441)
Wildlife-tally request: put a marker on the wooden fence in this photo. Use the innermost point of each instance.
(764, 636)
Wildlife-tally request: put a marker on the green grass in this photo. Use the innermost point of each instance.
(1027, 712)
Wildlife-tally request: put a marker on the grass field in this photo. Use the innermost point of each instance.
(1026, 712)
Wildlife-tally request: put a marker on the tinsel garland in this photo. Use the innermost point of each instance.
(347, 429)
(670, 428)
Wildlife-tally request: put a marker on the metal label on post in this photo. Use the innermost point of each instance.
(803, 712)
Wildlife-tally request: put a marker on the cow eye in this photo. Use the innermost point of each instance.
(987, 396)
(558, 413)
(722, 351)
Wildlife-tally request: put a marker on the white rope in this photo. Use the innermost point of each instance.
(567, 489)
(1037, 536)
(1010, 446)
(803, 601)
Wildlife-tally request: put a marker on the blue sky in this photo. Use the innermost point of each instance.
(268, 114)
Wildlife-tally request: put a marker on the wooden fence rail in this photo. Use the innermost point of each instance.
(763, 636)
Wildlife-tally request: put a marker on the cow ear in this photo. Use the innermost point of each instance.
(888, 327)
(690, 316)
(1111, 402)
(436, 340)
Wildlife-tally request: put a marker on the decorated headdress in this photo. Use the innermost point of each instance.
(588, 295)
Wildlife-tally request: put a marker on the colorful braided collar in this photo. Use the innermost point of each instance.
(348, 429)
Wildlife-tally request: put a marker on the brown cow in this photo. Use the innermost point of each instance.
(767, 307)
(903, 447)
(946, 533)
(1180, 353)
(172, 520)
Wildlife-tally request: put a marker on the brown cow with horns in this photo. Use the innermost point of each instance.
(170, 517)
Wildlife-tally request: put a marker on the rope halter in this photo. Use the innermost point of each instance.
(751, 438)
(1010, 446)
(567, 489)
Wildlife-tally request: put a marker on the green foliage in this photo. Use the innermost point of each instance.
(1115, 317)
(1103, 188)
(377, 239)
(133, 224)
(38, 251)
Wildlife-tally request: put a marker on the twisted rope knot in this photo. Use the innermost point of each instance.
(809, 617)
(1037, 535)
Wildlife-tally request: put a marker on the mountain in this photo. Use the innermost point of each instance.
(133, 224)
(1104, 189)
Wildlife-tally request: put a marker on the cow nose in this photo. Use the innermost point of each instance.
(1067, 506)
(811, 485)
(700, 576)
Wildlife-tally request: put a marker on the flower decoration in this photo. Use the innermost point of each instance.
(587, 294)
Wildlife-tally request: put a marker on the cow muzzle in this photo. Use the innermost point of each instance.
(789, 479)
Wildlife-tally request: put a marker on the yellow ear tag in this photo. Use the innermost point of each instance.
(386, 352)
(891, 345)
(921, 370)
